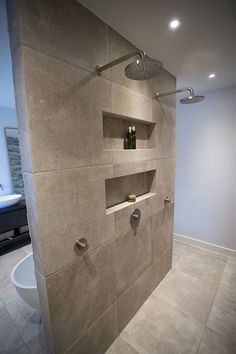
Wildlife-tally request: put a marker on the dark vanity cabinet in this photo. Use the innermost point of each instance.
(13, 227)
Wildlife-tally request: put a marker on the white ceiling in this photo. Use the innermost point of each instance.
(204, 43)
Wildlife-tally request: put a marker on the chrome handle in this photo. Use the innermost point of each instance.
(167, 200)
(81, 243)
(136, 214)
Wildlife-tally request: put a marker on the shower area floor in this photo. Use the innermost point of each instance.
(193, 310)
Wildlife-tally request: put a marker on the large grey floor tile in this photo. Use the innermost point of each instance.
(187, 293)
(26, 319)
(7, 262)
(222, 318)
(120, 346)
(23, 350)
(229, 276)
(159, 328)
(175, 257)
(214, 343)
(182, 248)
(223, 315)
(37, 345)
(11, 341)
(27, 248)
(203, 265)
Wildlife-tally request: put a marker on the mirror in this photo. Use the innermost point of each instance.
(13, 149)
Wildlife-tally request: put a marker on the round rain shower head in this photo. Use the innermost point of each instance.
(192, 99)
(143, 69)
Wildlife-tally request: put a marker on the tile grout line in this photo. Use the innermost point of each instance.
(216, 292)
(102, 165)
(215, 331)
(15, 324)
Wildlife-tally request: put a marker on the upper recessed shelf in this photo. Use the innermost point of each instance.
(115, 128)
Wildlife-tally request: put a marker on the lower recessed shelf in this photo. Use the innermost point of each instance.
(123, 205)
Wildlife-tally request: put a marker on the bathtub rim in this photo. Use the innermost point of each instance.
(14, 281)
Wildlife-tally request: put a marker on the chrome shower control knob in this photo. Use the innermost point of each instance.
(82, 243)
(136, 214)
(167, 200)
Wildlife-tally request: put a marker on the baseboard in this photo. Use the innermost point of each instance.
(210, 246)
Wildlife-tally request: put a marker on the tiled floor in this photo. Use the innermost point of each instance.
(20, 326)
(193, 310)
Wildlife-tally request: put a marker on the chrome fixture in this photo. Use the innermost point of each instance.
(141, 69)
(82, 243)
(1, 186)
(167, 200)
(136, 214)
(192, 98)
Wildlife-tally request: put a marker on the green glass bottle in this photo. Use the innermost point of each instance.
(129, 139)
(133, 137)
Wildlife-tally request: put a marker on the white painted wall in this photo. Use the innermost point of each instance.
(205, 207)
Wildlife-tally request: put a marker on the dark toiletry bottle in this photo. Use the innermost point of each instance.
(129, 139)
(133, 137)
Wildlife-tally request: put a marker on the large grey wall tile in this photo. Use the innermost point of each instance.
(47, 341)
(133, 298)
(129, 103)
(76, 208)
(99, 336)
(133, 167)
(62, 29)
(163, 83)
(162, 230)
(21, 109)
(161, 267)
(119, 46)
(64, 113)
(166, 129)
(132, 254)
(123, 216)
(120, 156)
(89, 287)
(165, 181)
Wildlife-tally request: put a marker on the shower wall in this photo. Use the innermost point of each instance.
(77, 173)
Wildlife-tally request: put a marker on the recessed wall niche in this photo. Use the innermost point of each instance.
(118, 189)
(115, 129)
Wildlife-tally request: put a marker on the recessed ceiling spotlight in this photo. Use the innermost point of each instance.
(211, 76)
(174, 24)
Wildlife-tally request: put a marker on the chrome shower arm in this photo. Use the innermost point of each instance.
(190, 89)
(100, 68)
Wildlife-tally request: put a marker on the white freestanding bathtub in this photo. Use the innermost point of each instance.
(23, 278)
